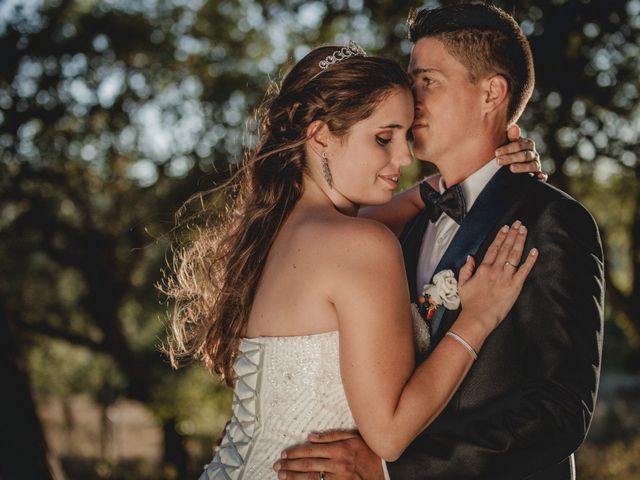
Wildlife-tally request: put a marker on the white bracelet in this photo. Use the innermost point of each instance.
(463, 342)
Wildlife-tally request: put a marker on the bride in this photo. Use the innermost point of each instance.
(301, 305)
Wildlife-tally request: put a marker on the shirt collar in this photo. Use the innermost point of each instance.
(475, 183)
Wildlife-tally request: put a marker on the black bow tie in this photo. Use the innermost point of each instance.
(451, 202)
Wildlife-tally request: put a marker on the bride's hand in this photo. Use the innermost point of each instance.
(520, 154)
(488, 295)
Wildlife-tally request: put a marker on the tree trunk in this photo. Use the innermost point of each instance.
(175, 453)
(23, 449)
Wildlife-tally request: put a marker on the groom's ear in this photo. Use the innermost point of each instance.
(496, 89)
(318, 135)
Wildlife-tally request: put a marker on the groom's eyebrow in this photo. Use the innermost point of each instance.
(418, 71)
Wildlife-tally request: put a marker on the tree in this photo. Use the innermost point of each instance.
(23, 449)
(113, 114)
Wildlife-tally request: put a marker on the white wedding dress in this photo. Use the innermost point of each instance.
(286, 387)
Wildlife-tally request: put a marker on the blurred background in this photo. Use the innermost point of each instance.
(113, 112)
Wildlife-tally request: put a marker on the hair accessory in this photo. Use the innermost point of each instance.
(352, 49)
(325, 169)
(462, 342)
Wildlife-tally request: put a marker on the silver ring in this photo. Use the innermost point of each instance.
(510, 264)
(322, 477)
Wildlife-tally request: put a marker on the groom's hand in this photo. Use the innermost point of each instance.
(339, 455)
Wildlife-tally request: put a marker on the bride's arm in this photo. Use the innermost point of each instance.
(390, 404)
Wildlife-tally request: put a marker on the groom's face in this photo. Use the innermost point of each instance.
(447, 104)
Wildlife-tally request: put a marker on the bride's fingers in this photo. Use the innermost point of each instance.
(525, 268)
(515, 255)
(513, 132)
(492, 251)
(526, 161)
(542, 176)
(507, 245)
(466, 272)
(521, 144)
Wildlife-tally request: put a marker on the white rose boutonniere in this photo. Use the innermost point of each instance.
(443, 291)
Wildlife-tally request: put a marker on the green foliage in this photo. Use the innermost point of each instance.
(60, 370)
(112, 113)
(200, 403)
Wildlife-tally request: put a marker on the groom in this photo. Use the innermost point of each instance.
(526, 404)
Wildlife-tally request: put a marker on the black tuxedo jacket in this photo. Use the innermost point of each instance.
(527, 402)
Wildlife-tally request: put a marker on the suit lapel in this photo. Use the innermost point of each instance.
(489, 205)
(492, 203)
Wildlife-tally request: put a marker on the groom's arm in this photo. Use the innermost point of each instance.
(396, 213)
(559, 324)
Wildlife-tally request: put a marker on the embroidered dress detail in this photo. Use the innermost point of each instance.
(229, 461)
(287, 387)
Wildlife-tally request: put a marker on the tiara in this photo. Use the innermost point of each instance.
(352, 49)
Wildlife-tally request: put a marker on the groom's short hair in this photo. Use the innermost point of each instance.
(486, 40)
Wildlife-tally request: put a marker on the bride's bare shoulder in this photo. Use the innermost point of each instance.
(346, 255)
(352, 239)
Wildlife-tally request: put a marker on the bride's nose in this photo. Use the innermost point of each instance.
(404, 157)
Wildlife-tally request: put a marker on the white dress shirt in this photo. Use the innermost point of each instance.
(438, 235)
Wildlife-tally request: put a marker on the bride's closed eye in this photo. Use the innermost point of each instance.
(382, 141)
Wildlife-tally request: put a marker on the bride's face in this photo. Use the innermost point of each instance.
(365, 163)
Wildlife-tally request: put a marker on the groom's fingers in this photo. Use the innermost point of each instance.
(289, 475)
(331, 458)
(313, 450)
(332, 436)
(300, 468)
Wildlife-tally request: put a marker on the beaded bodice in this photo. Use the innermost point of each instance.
(286, 388)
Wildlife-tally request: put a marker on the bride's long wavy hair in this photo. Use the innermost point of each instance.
(212, 282)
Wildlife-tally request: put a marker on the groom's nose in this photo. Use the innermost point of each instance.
(417, 104)
(418, 95)
(418, 108)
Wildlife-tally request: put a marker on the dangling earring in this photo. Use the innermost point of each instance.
(325, 170)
